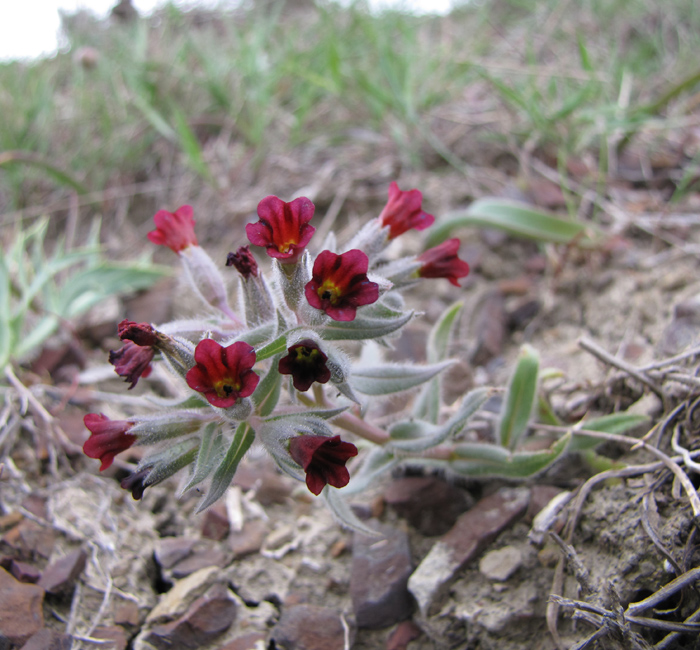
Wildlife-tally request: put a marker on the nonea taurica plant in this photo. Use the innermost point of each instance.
(276, 368)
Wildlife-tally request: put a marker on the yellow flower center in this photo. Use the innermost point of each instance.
(225, 388)
(329, 291)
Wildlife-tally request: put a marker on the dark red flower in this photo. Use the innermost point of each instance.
(323, 459)
(339, 284)
(135, 483)
(306, 363)
(132, 362)
(140, 333)
(244, 262)
(174, 229)
(108, 438)
(442, 262)
(283, 228)
(223, 374)
(403, 211)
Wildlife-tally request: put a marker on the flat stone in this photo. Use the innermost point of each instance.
(309, 627)
(30, 539)
(263, 476)
(379, 578)
(21, 608)
(216, 524)
(474, 530)
(25, 572)
(171, 550)
(199, 559)
(46, 639)
(183, 594)
(403, 634)
(429, 504)
(60, 575)
(501, 564)
(249, 539)
(206, 618)
(126, 612)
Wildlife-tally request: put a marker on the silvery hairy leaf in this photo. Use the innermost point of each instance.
(520, 398)
(211, 451)
(427, 405)
(267, 392)
(393, 378)
(484, 460)
(378, 461)
(343, 512)
(169, 461)
(242, 440)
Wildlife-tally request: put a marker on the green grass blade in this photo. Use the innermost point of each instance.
(27, 158)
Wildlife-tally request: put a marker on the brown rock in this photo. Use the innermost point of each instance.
(216, 525)
(35, 504)
(207, 617)
(404, 633)
(60, 576)
(263, 476)
(249, 539)
(200, 558)
(126, 612)
(25, 572)
(171, 550)
(114, 634)
(379, 577)
(21, 608)
(30, 539)
(474, 530)
(49, 640)
(430, 504)
(309, 627)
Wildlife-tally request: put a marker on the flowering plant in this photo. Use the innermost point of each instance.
(277, 369)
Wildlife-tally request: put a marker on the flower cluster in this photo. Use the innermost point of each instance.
(286, 338)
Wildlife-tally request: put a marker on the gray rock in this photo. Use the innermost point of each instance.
(379, 578)
(49, 640)
(501, 564)
(473, 531)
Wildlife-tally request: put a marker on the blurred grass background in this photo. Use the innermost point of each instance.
(213, 92)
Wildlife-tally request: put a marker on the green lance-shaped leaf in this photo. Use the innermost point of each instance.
(618, 423)
(377, 462)
(364, 327)
(520, 399)
(272, 348)
(242, 440)
(427, 405)
(417, 435)
(210, 452)
(483, 460)
(343, 512)
(517, 219)
(169, 461)
(267, 393)
(394, 378)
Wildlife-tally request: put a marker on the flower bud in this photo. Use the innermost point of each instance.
(206, 280)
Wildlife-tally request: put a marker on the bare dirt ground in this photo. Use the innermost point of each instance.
(637, 297)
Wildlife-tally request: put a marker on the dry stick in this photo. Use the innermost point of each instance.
(653, 535)
(685, 453)
(606, 357)
(672, 638)
(693, 352)
(665, 592)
